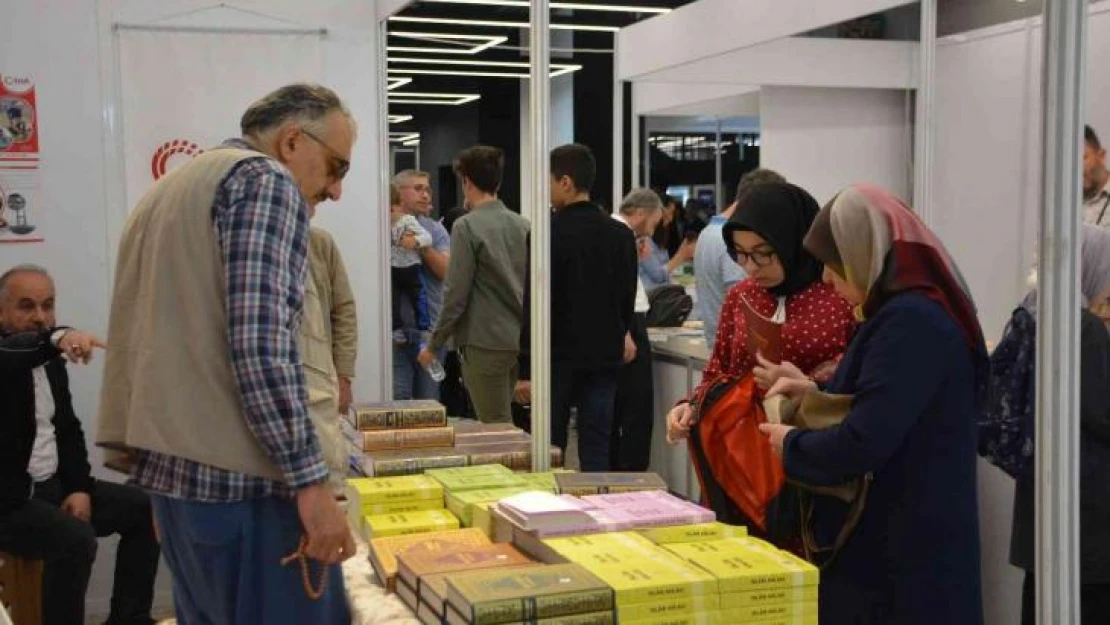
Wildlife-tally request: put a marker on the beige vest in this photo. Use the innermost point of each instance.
(319, 370)
(168, 380)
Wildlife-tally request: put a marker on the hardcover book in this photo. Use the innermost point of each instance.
(747, 564)
(527, 593)
(417, 563)
(403, 523)
(481, 477)
(419, 413)
(410, 438)
(384, 551)
(411, 461)
(763, 335)
(591, 618)
(535, 510)
(601, 483)
(768, 596)
(466, 427)
(651, 508)
(693, 533)
(516, 456)
(462, 503)
(367, 491)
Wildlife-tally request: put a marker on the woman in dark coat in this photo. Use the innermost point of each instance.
(1094, 449)
(916, 369)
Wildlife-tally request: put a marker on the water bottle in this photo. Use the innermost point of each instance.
(434, 368)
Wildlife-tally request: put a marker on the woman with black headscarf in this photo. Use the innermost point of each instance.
(784, 283)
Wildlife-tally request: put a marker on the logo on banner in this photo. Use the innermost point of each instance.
(170, 154)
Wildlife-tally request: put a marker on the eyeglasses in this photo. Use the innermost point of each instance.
(337, 165)
(760, 259)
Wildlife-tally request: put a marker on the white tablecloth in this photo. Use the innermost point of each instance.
(370, 603)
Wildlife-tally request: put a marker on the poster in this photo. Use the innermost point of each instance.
(19, 123)
(183, 92)
(20, 206)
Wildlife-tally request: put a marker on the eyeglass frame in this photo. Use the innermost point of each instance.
(338, 172)
(742, 258)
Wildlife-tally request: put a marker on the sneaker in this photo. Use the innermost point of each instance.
(399, 337)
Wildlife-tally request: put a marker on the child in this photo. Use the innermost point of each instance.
(407, 236)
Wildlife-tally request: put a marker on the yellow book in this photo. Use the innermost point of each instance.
(669, 608)
(711, 617)
(404, 523)
(758, 613)
(692, 533)
(381, 490)
(544, 481)
(483, 476)
(745, 564)
(462, 503)
(768, 596)
(481, 518)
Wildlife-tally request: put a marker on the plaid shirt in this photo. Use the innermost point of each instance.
(261, 222)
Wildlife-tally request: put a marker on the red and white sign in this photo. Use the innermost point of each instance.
(171, 154)
(19, 123)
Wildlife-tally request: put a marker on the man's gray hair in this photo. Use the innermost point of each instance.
(406, 177)
(6, 277)
(641, 199)
(754, 178)
(304, 103)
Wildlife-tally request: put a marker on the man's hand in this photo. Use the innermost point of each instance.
(346, 397)
(77, 346)
(329, 537)
(643, 250)
(629, 348)
(522, 394)
(409, 242)
(425, 357)
(78, 506)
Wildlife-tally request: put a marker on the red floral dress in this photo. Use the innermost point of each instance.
(819, 324)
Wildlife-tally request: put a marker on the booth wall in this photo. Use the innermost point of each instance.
(823, 139)
(64, 45)
(985, 207)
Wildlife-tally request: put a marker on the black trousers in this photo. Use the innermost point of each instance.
(1094, 602)
(593, 392)
(634, 411)
(40, 530)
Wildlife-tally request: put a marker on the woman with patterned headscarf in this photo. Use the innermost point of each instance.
(916, 369)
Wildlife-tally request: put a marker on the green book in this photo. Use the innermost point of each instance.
(462, 503)
(478, 477)
(527, 593)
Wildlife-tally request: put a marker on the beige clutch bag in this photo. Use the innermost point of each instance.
(815, 411)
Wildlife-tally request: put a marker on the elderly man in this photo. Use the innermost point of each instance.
(410, 380)
(1096, 180)
(51, 508)
(204, 387)
(634, 410)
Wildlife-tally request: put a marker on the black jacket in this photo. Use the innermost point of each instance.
(19, 355)
(1094, 464)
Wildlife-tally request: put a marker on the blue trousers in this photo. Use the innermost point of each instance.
(410, 380)
(226, 564)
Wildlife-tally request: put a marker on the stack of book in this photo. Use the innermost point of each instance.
(466, 487)
(649, 508)
(546, 513)
(423, 571)
(581, 484)
(757, 582)
(405, 523)
(384, 551)
(472, 432)
(565, 594)
(701, 532)
(369, 498)
(651, 585)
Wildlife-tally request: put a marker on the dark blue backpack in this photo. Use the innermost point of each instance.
(1007, 421)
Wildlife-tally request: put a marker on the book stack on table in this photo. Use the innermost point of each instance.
(393, 506)
(384, 551)
(409, 437)
(564, 594)
(423, 572)
(466, 487)
(581, 484)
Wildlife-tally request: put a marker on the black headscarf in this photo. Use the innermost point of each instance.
(780, 213)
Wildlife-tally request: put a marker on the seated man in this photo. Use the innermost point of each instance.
(51, 508)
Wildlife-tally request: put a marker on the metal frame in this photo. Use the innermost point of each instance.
(540, 200)
(1057, 430)
(924, 113)
(385, 167)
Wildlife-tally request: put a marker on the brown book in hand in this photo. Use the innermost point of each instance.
(764, 336)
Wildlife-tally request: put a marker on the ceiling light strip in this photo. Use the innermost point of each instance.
(479, 63)
(394, 83)
(574, 6)
(479, 73)
(486, 42)
(497, 24)
(399, 119)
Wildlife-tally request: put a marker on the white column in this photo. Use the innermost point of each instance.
(618, 133)
(385, 166)
(1057, 431)
(539, 213)
(923, 115)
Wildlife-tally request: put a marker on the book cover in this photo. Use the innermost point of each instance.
(411, 438)
(768, 596)
(400, 414)
(482, 477)
(516, 456)
(541, 481)
(453, 617)
(743, 564)
(402, 523)
(418, 563)
(666, 610)
(411, 461)
(527, 593)
(462, 503)
(601, 483)
(536, 510)
(384, 551)
(651, 508)
(473, 426)
(367, 491)
(763, 335)
(485, 438)
(415, 505)
(427, 615)
(692, 533)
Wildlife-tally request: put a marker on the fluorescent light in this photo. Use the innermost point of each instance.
(495, 24)
(399, 119)
(557, 69)
(447, 99)
(393, 83)
(411, 142)
(574, 6)
(484, 42)
(402, 137)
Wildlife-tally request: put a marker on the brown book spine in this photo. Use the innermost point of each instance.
(381, 440)
(412, 466)
(515, 460)
(397, 419)
(537, 607)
